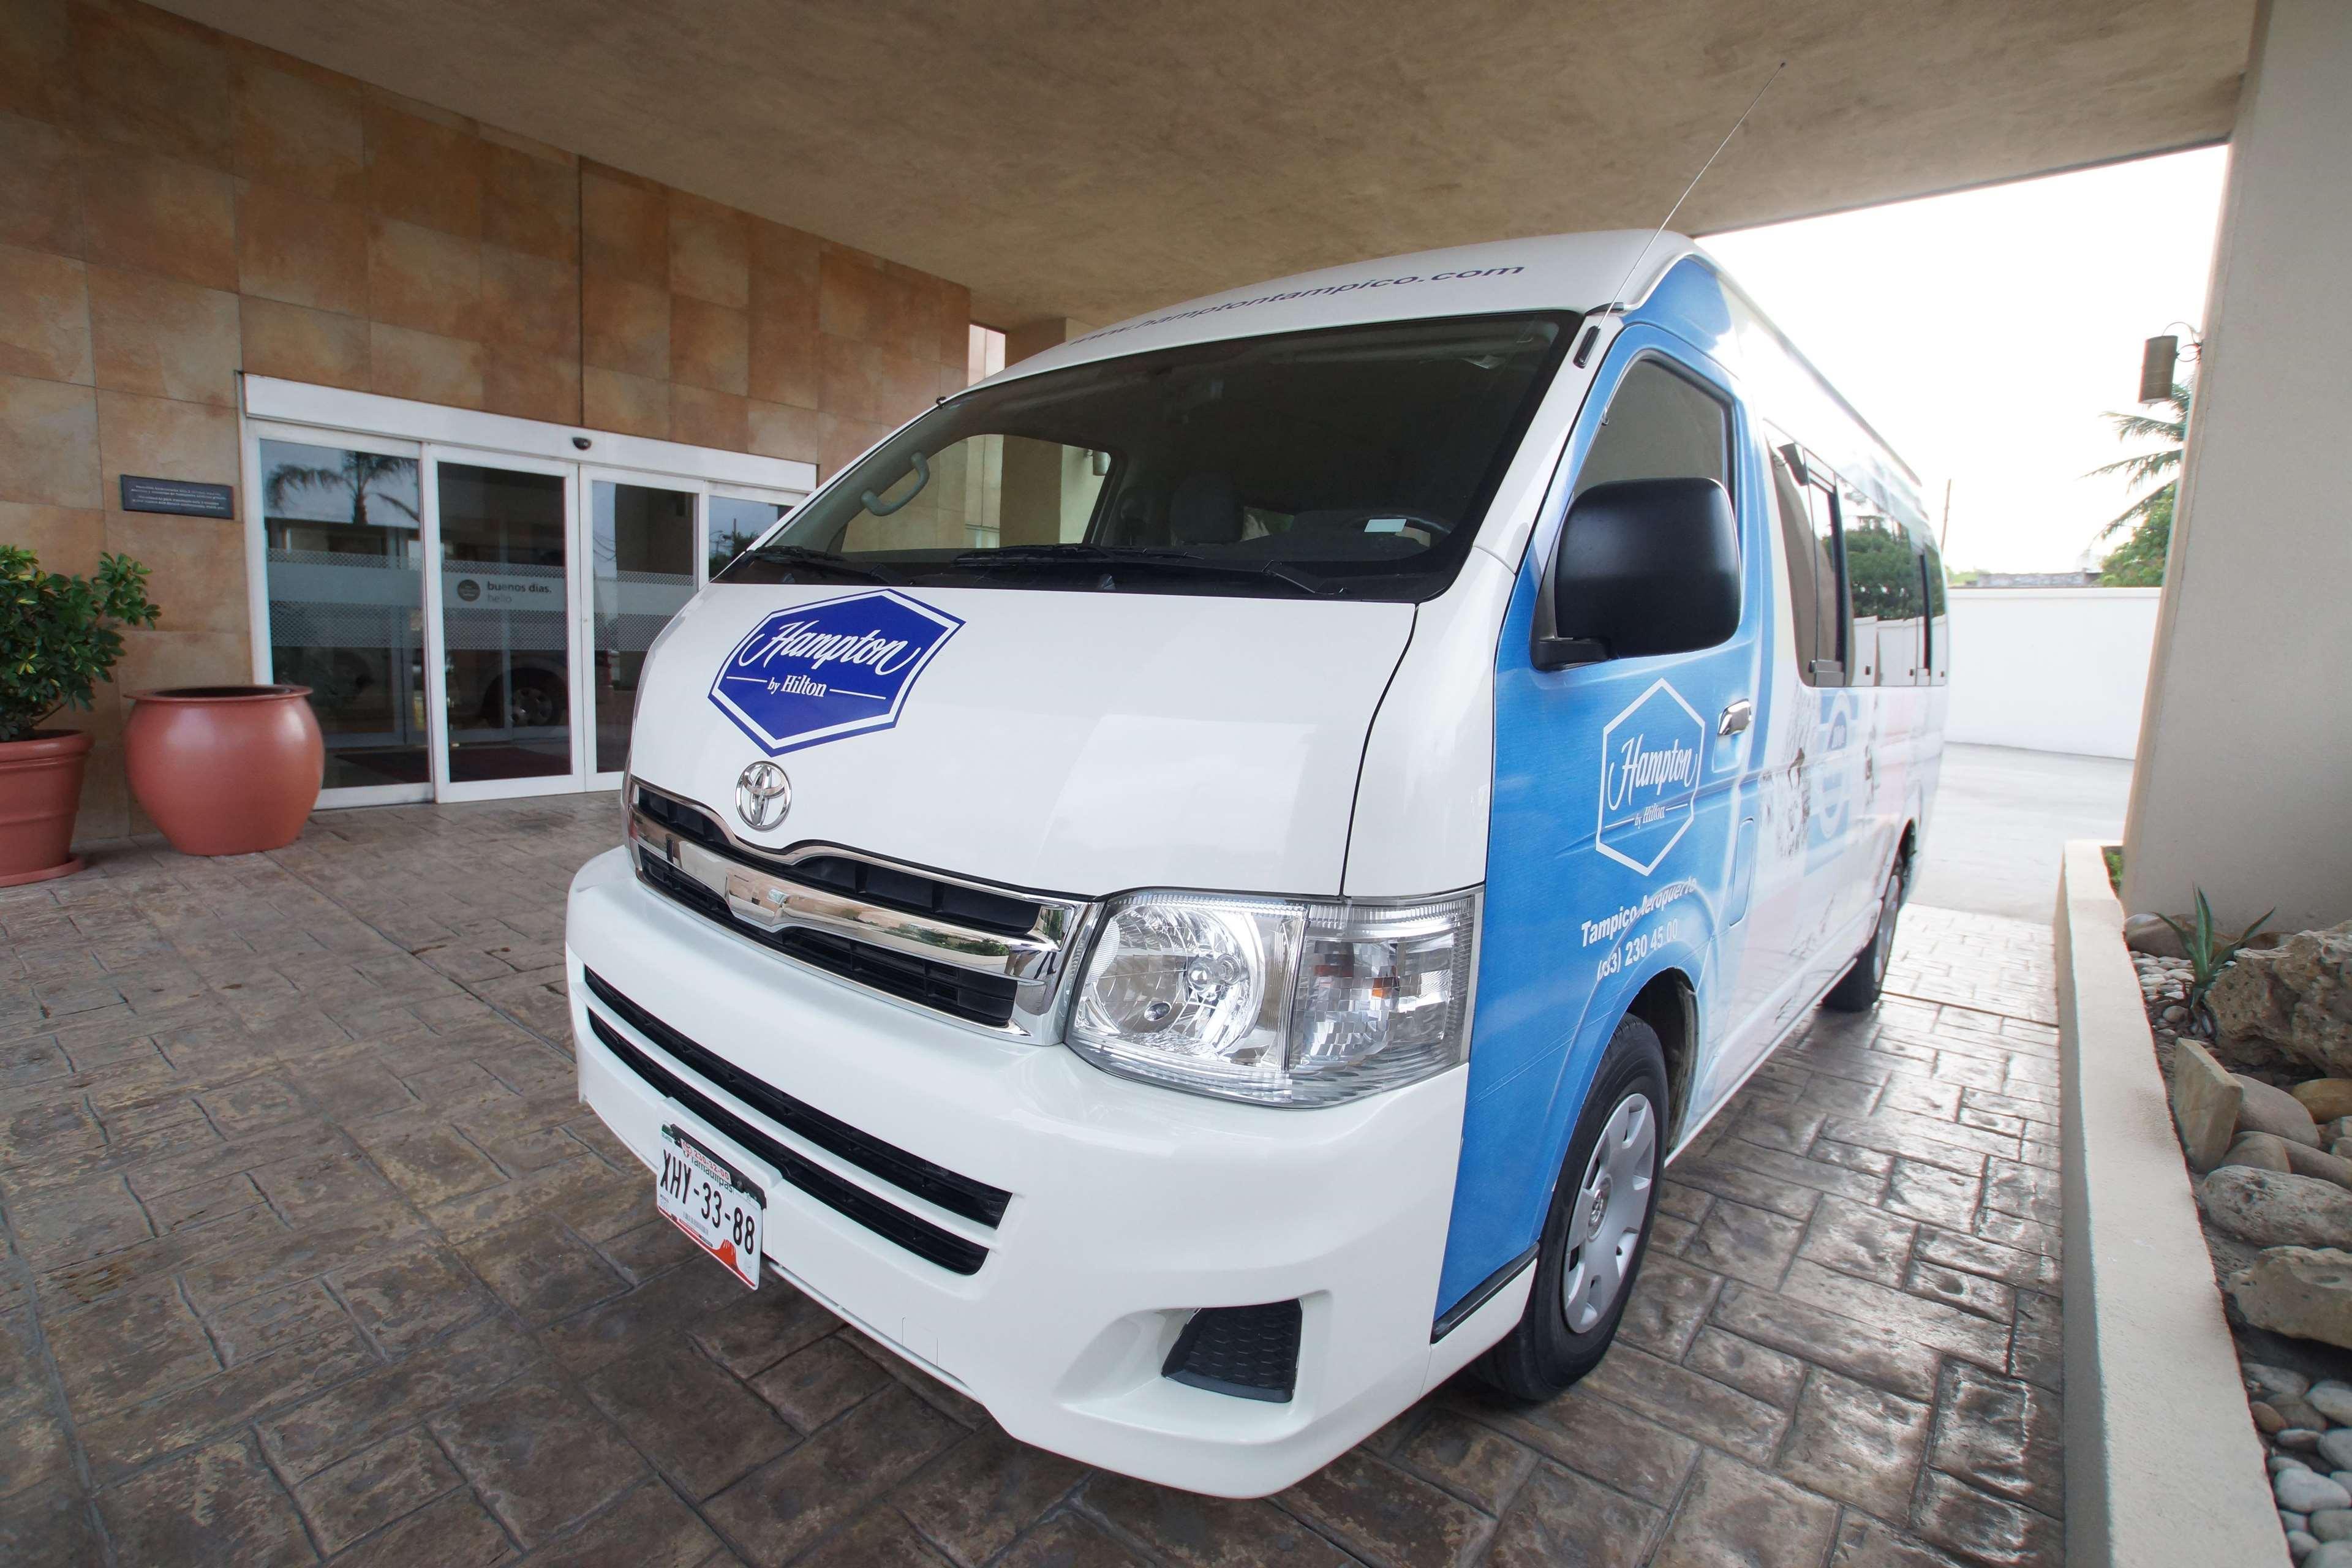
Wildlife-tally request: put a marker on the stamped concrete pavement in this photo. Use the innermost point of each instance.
(312, 1254)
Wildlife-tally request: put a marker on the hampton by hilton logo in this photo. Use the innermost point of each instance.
(828, 670)
(1640, 767)
(1649, 778)
(805, 643)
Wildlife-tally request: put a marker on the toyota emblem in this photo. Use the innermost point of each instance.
(762, 795)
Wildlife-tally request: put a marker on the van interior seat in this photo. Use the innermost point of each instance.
(1205, 509)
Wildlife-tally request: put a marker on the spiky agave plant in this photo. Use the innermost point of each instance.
(2209, 954)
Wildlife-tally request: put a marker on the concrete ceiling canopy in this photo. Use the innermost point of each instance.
(1092, 161)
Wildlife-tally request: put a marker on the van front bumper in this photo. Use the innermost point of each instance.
(1131, 1204)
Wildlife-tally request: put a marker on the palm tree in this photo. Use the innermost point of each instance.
(2163, 463)
(362, 471)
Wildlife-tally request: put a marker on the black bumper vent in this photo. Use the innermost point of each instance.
(962, 993)
(1250, 1352)
(917, 1235)
(956, 1193)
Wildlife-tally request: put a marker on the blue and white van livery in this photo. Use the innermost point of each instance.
(1191, 891)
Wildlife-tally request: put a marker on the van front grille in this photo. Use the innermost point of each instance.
(963, 993)
(916, 894)
(685, 821)
(983, 955)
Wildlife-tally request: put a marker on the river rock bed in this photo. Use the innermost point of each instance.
(2164, 991)
(2266, 1133)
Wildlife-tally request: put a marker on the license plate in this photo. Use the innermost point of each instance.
(716, 1205)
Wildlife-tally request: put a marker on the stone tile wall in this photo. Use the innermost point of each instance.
(177, 205)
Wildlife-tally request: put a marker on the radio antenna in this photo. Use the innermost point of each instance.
(1619, 302)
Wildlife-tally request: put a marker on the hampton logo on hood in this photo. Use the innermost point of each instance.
(823, 671)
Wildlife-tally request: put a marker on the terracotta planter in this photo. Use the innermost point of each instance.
(225, 770)
(40, 790)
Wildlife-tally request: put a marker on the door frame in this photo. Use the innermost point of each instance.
(254, 432)
(437, 658)
(584, 536)
(274, 409)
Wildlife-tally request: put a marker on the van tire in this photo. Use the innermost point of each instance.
(1546, 1352)
(1858, 992)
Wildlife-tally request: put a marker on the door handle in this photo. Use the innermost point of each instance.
(1735, 717)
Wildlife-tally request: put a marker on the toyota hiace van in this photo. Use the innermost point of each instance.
(1194, 890)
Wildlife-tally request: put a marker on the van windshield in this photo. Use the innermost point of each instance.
(1354, 462)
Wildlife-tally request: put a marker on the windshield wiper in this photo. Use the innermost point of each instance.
(1096, 558)
(1319, 587)
(819, 560)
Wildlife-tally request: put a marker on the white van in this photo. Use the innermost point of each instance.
(1193, 889)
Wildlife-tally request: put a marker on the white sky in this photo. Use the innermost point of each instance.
(1984, 332)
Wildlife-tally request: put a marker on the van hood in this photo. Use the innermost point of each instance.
(1058, 742)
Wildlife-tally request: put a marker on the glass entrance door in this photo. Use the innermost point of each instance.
(499, 549)
(342, 565)
(640, 549)
(473, 621)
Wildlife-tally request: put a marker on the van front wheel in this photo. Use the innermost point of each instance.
(1858, 992)
(1598, 1228)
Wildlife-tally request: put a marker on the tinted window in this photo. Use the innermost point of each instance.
(1353, 463)
(1660, 425)
(1883, 578)
(1938, 618)
(1809, 536)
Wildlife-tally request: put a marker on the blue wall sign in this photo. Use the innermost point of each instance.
(822, 671)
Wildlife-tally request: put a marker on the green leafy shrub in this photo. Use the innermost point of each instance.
(57, 633)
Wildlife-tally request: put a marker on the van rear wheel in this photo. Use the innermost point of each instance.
(1858, 992)
(1598, 1228)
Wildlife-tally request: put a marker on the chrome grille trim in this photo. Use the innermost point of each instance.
(758, 888)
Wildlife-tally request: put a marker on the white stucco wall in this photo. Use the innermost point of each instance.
(2050, 669)
(2244, 782)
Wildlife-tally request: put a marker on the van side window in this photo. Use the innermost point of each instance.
(1883, 575)
(1936, 667)
(1816, 600)
(1660, 425)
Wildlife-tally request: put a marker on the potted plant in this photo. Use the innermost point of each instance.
(56, 641)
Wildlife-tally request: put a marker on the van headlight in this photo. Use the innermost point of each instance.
(1277, 1001)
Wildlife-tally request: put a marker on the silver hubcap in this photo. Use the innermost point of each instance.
(1610, 1204)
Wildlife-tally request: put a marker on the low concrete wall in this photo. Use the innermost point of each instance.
(2163, 1467)
(2050, 669)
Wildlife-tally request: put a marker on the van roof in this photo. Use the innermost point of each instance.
(1581, 272)
(1556, 272)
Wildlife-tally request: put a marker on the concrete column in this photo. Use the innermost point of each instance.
(1042, 483)
(2244, 778)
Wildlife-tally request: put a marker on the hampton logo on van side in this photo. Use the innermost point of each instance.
(827, 670)
(1648, 777)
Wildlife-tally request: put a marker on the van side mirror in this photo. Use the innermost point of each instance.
(1644, 566)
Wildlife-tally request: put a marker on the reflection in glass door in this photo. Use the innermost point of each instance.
(735, 522)
(641, 562)
(502, 534)
(344, 573)
(472, 620)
